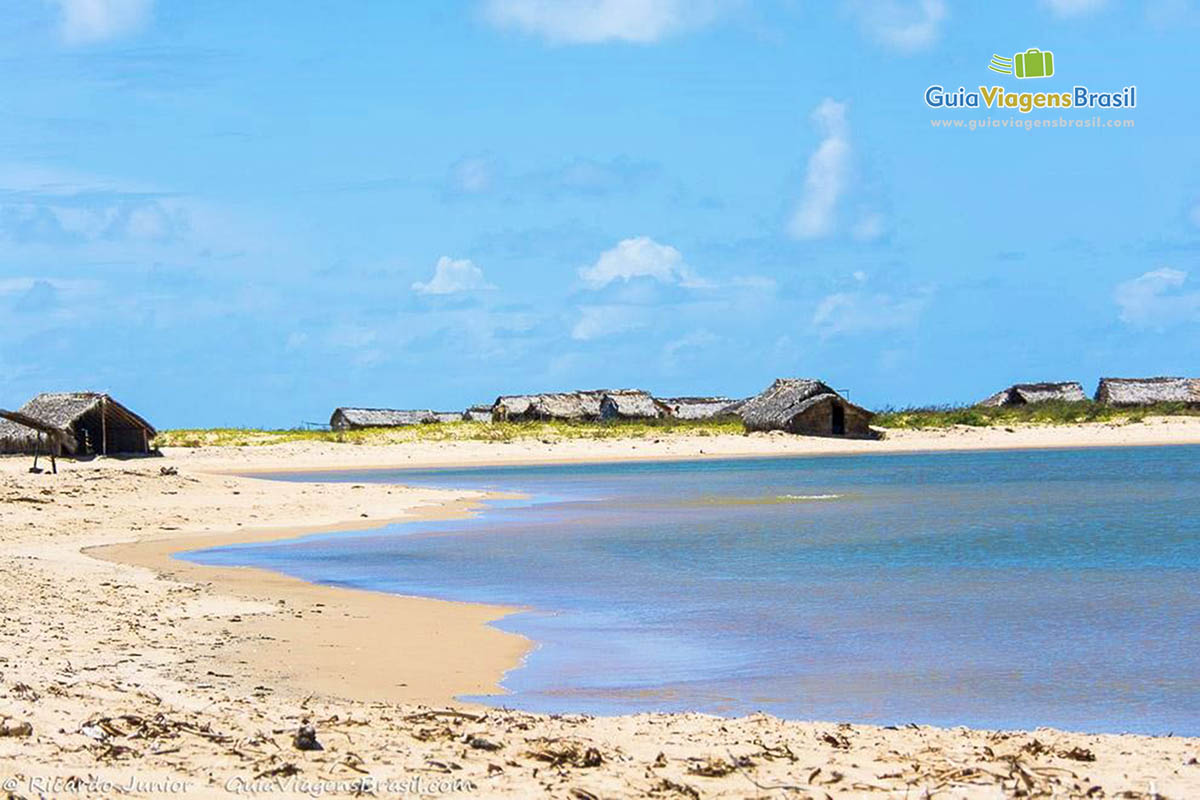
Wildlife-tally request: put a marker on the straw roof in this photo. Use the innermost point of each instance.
(21, 433)
(478, 414)
(634, 404)
(1146, 391)
(1023, 393)
(581, 405)
(348, 418)
(63, 412)
(696, 407)
(788, 398)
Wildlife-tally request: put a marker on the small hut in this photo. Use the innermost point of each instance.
(80, 423)
(1147, 391)
(1021, 394)
(630, 404)
(447, 416)
(348, 419)
(696, 407)
(808, 407)
(478, 414)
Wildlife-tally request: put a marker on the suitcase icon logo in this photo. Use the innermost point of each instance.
(1033, 63)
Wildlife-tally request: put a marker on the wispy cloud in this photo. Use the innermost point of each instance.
(827, 174)
(472, 175)
(862, 311)
(597, 21)
(452, 276)
(1156, 300)
(88, 21)
(903, 26)
(1073, 8)
(640, 257)
(602, 320)
(577, 178)
(869, 227)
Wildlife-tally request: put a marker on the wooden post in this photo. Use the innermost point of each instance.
(37, 450)
(103, 425)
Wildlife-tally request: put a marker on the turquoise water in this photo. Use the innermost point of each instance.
(1001, 589)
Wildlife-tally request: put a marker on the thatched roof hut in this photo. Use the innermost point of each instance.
(577, 406)
(805, 406)
(697, 407)
(1025, 393)
(447, 416)
(346, 419)
(549, 405)
(87, 423)
(630, 404)
(478, 414)
(1147, 391)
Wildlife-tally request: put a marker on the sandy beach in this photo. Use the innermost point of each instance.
(130, 672)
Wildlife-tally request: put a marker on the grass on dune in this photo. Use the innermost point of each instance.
(454, 431)
(1048, 413)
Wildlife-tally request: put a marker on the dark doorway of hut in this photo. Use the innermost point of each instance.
(837, 421)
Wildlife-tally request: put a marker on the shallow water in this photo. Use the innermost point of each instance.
(999, 589)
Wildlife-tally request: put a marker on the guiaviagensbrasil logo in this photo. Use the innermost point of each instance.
(1030, 63)
(1033, 63)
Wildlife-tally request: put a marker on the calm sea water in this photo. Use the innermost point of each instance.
(997, 589)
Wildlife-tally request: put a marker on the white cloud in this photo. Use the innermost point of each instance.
(1153, 300)
(86, 21)
(473, 175)
(827, 174)
(597, 321)
(869, 228)
(453, 275)
(594, 21)
(903, 26)
(865, 312)
(1073, 8)
(640, 257)
(679, 349)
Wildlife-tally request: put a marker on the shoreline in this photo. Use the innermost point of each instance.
(493, 652)
(292, 458)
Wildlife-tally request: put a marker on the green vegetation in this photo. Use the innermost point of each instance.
(1048, 413)
(455, 431)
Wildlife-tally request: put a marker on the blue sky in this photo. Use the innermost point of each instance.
(249, 213)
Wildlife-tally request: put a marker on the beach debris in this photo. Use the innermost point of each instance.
(168, 471)
(480, 743)
(670, 787)
(15, 729)
(23, 691)
(719, 767)
(306, 738)
(836, 740)
(1077, 753)
(557, 753)
(285, 770)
